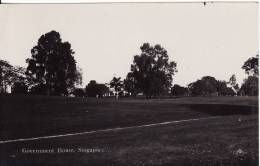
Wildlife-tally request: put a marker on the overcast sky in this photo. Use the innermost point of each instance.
(214, 40)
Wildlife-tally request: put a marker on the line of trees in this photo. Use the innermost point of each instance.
(52, 70)
(208, 86)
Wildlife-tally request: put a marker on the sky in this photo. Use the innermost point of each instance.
(213, 40)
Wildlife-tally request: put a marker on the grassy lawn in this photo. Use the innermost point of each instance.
(223, 140)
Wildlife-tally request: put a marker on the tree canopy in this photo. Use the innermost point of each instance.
(178, 90)
(79, 92)
(152, 71)
(251, 66)
(208, 86)
(19, 88)
(130, 84)
(117, 84)
(52, 65)
(9, 75)
(94, 89)
(205, 87)
(249, 86)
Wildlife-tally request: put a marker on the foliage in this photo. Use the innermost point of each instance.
(251, 66)
(204, 87)
(223, 90)
(102, 89)
(209, 86)
(152, 70)
(233, 82)
(39, 89)
(94, 89)
(9, 75)
(19, 88)
(250, 86)
(6, 75)
(79, 92)
(195, 88)
(52, 65)
(178, 90)
(130, 84)
(117, 84)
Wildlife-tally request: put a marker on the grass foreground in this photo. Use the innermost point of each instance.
(230, 138)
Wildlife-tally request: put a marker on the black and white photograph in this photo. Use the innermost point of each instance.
(129, 84)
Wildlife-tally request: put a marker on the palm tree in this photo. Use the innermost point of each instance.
(116, 83)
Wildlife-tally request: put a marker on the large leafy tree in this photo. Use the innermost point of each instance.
(152, 70)
(52, 65)
(251, 66)
(204, 87)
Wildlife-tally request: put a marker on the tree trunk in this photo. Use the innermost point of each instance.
(116, 95)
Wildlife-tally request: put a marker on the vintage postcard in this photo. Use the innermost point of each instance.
(129, 84)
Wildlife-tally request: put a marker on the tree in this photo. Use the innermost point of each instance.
(196, 88)
(223, 90)
(250, 86)
(9, 75)
(251, 66)
(102, 90)
(6, 75)
(116, 83)
(152, 70)
(205, 87)
(53, 66)
(221, 87)
(233, 82)
(130, 84)
(19, 88)
(39, 89)
(178, 90)
(230, 92)
(93, 89)
(79, 92)
(210, 85)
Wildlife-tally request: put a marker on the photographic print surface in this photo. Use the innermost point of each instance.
(129, 84)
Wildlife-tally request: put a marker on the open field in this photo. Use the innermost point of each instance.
(223, 140)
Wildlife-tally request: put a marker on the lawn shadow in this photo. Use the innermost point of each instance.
(224, 109)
